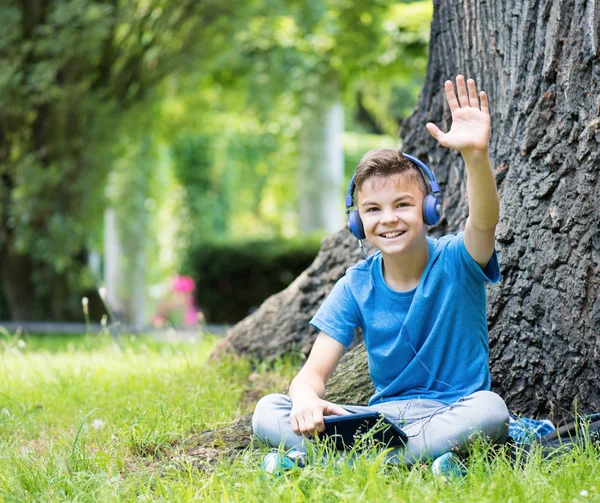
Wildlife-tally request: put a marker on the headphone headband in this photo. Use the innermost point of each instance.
(433, 184)
(435, 187)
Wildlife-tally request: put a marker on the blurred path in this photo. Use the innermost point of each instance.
(167, 334)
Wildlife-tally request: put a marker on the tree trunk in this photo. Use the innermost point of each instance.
(113, 270)
(321, 172)
(539, 63)
(15, 271)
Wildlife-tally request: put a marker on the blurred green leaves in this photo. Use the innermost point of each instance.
(72, 72)
(284, 60)
(194, 106)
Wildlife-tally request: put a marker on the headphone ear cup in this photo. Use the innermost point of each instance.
(355, 225)
(431, 210)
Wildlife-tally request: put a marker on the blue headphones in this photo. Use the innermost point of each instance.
(431, 204)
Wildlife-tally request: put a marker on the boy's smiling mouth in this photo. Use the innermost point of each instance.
(391, 235)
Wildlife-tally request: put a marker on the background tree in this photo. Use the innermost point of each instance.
(540, 69)
(71, 71)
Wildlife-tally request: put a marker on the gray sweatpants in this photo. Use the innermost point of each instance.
(433, 427)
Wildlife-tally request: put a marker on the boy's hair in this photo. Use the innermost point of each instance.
(384, 162)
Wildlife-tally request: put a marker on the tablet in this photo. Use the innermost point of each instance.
(344, 430)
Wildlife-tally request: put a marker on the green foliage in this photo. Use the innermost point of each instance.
(232, 278)
(206, 191)
(258, 99)
(377, 49)
(357, 145)
(249, 185)
(70, 72)
(388, 92)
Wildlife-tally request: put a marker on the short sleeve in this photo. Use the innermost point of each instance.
(465, 266)
(338, 315)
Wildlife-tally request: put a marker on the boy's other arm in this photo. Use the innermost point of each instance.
(308, 387)
(470, 135)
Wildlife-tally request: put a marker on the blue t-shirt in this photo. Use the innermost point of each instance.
(431, 342)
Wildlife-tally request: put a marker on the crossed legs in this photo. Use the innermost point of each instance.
(433, 427)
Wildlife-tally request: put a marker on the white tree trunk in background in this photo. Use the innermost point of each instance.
(124, 277)
(112, 262)
(321, 174)
(136, 303)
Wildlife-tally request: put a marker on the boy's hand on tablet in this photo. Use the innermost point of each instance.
(306, 416)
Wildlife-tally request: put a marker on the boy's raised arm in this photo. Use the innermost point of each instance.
(470, 135)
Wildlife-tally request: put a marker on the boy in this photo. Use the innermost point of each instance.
(420, 303)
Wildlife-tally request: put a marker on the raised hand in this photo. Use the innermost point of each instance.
(470, 130)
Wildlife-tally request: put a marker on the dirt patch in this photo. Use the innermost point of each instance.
(204, 458)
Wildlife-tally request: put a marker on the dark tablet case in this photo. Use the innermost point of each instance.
(344, 429)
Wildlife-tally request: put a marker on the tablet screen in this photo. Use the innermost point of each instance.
(345, 430)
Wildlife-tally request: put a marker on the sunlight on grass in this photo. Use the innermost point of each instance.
(85, 419)
(79, 414)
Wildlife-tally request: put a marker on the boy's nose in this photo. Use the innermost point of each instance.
(389, 217)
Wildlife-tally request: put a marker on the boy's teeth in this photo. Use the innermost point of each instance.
(392, 234)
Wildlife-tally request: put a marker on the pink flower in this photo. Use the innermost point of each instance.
(177, 307)
(190, 318)
(184, 284)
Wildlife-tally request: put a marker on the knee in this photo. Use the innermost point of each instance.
(268, 410)
(496, 417)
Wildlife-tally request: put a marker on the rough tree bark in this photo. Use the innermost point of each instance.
(539, 62)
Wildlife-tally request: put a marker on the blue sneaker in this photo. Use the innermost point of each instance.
(275, 463)
(449, 467)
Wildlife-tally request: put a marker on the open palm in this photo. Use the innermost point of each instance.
(470, 130)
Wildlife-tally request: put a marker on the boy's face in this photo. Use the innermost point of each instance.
(392, 215)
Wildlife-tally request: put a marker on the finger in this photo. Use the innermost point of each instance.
(485, 107)
(461, 89)
(450, 96)
(301, 425)
(318, 422)
(335, 410)
(472, 89)
(295, 425)
(435, 131)
(309, 427)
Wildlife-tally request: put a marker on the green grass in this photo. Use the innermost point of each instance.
(82, 419)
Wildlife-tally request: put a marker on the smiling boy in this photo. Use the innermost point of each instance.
(420, 302)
